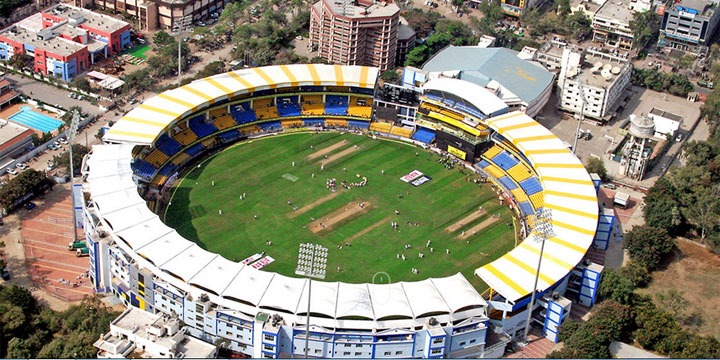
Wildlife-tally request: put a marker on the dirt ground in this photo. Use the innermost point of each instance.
(313, 204)
(695, 273)
(466, 220)
(327, 150)
(328, 222)
(339, 155)
(477, 228)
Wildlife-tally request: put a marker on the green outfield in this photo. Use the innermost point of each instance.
(288, 205)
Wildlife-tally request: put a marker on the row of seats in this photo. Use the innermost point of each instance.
(336, 104)
(312, 105)
(424, 135)
(156, 158)
(505, 160)
(528, 195)
(401, 131)
(202, 129)
(519, 172)
(265, 109)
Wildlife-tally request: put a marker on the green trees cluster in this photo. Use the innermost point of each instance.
(27, 182)
(447, 32)
(673, 83)
(31, 330)
(165, 63)
(63, 160)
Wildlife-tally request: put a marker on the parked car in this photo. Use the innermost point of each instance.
(12, 171)
(52, 147)
(679, 138)
(21, 166)
(63, 141)
(30, 205)
(5, 274)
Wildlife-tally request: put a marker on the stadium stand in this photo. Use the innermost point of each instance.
(424, 135)
(195, 150)
(156, 157)
(336, 105)
(526, 208)
(504, 160)
(341, 123)
(185, 137)
(531, 186)
(537, 200)
(360, 107)
(507, 182)
(180, 159)
(202, 129)
(167, 145)
(291, 124)
(315, 122)
(143, 169)
(242, 113)
(229, 136)
(288, 105)
(519, 195)
(159, 180)
(358, 124)
(494, 171)
(251, 129)
(312, 105)
(519, 172)
(491, 152)
(401, 131)
(270, 126)
(381, 127)
(224, 122)
(168, 169)
(265, 108)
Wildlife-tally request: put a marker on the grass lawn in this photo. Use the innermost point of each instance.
(289, 203)
(139, 51)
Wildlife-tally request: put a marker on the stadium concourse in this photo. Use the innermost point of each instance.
(262, 314)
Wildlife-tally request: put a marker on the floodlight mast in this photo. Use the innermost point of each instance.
(71, 137)
(542, 229)
(312, 261)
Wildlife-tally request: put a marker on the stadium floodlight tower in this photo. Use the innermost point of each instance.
(70, 134)
(312, 262)
(542, 229)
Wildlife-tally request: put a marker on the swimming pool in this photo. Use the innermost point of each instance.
(35, 120)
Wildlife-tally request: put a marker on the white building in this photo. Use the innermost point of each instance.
(666, 123)
(140, 334)
(611, 24)
(602, 78)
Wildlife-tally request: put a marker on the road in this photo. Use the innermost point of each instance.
(49, 94)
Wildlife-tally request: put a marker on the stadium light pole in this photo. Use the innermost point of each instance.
(542, 229)
(71, 137)
(312, 262)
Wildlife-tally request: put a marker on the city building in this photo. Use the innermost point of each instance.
(689, 25)
(159, 14)
(522, 85)
(593, 83)
(64, 40)
(356, 32)
(137, 334)
(666, 123)
(7, 93)
(589, 8)
(550, 54)
(405, 42)
(517, 8)
(611, 24)
(15, 140)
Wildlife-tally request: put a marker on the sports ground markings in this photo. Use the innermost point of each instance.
(370, 228)
(349, 211)
(290, 177)
(477, 228)
(466, 220)
(339, 155)
(327, 150)
(313, 204)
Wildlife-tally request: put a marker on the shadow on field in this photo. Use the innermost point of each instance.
(180, 216)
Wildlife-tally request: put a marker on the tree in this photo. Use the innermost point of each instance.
(423, 22)
(38, 140)
(21, 61)
(662, 207)
(79, 151)
(563, 8)
(597, 166)
(29, 181)
(648, 246)
(644, 26)
(613, 317)
(163, 39)
(81, 83)
(68, 116)
(616, 287)
(390, 76)
(654, 325)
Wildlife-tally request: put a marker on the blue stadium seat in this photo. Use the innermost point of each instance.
(143, 168)
(505, 160)
(314, 122)
(311, 88)
(288, 106)
(195, 150)
(200, 127)
(531, 186)
(336, 105)
(526, 208)
(242, 113)
(365, 91)
(507, 182)
(482, 164)
(359, 124)
(167, 145)
(168, 169)
(424, 135)
(469, 109)
(229, 136)
(270, 126)
(434, 97)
